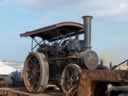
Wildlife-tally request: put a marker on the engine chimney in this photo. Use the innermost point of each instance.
(87, 28)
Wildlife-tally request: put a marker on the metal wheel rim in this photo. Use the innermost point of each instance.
(39, 73)
(32, 72)
(70, 79)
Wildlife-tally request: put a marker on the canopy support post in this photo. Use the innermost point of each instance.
(37, 43)
(32, 44)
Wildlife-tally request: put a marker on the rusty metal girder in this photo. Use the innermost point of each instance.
(94, 82)
(105, 75)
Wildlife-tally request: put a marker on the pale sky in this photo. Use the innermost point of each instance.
(109, 26)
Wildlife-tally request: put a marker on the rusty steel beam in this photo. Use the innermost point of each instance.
(94, 82)
(105, 75)
(86, 88)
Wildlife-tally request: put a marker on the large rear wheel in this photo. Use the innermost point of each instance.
(36, 72)
(70, 79)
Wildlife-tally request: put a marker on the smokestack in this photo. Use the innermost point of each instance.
(87, 28)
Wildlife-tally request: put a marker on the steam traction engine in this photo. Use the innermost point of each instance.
(60, 56)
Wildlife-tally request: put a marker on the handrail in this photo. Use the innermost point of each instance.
(114, 67)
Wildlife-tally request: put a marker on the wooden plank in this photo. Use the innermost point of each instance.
(25, 93)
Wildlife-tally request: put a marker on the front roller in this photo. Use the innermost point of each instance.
(36, 72)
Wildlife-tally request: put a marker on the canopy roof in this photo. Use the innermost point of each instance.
(56, 31)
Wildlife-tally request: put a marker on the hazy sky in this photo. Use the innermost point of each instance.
(109, 28)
